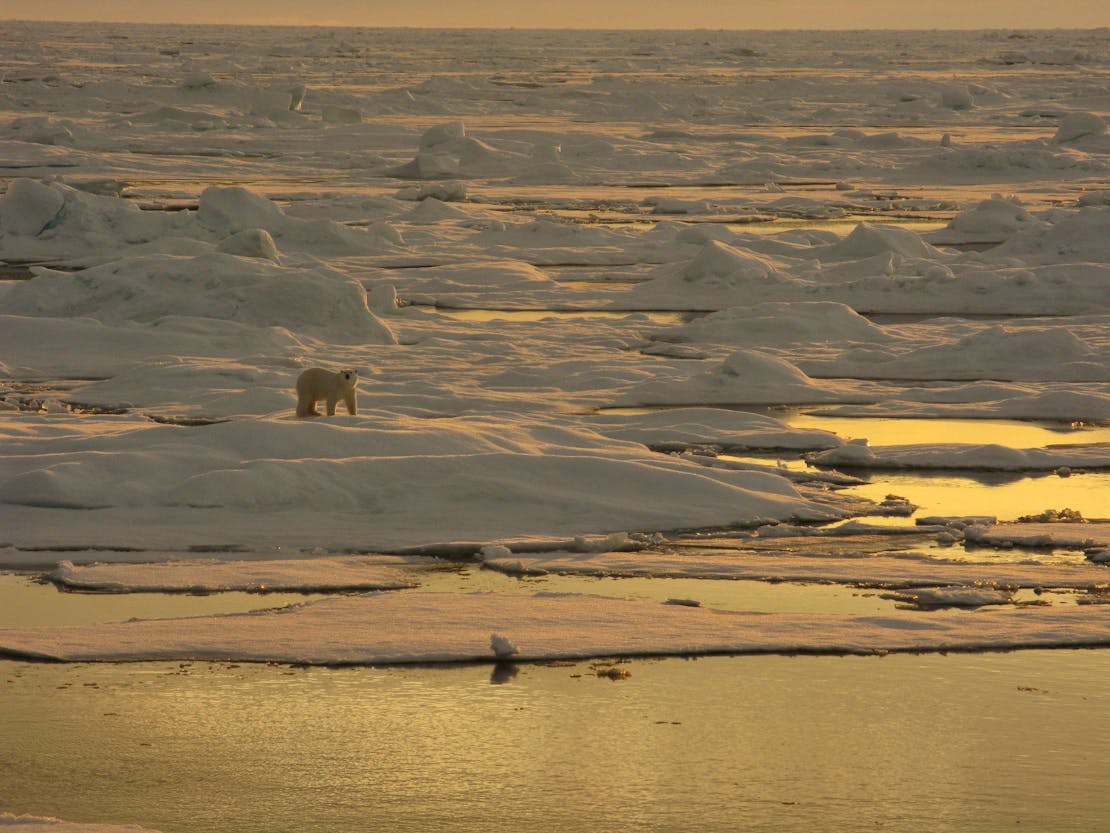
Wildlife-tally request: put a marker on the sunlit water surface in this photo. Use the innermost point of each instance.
(978, 742)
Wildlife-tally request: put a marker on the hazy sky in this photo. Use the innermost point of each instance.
(622, 14)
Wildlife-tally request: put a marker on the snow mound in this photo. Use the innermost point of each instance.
(442, 134)
(431, 210)
(1079, 126)
(1049, 354)
(252, 242)
(54, 222)
(760, 369)
(29, 206)
(456, 627)
(778, 324)
(219, 286)
(744, 377)
(231, 210)
(991, 221)
(377, 479)
(1082, 236)
(50, 222)
(38, 347)
(721, 263)
(684, 427)
(868, 239)
(234, 209)
(956, 97)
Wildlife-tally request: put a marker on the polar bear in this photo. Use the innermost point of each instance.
(316, 384)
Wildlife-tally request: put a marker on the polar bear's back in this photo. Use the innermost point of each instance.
(317, 379)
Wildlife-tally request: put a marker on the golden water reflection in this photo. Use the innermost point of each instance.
(1005, 496)
(1010, 433)
(980, 742)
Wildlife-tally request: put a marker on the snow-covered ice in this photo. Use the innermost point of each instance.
(897, 570)
(27, 823)
(318, 575)
(572, 276)
(456, 627)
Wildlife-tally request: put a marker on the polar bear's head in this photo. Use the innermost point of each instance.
(348, 379)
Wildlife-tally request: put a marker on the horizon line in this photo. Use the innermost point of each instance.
(417, 27)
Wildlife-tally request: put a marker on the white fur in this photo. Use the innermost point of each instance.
(316, 384)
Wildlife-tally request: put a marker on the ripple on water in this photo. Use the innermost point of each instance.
(753, 743)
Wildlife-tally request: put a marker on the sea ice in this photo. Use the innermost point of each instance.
(413, 626)
(805, 564)
(10, 823)
(290, 208)
(318, 575)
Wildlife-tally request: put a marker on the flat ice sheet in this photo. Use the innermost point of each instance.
(10, 823)
(209, 575)
(410, 627)
(871, 571)
(963, 456)
(1067, 535)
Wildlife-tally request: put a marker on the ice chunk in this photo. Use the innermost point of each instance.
(252, 242)
(29, 206)
(937, 597)
(991, 221)
(501, 646)
(236, 209)
(718, 261)
(956, 97)
(1078, 126)
(442, 134)
(868, 239)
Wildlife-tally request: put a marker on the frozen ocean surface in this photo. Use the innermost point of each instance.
(670, 343)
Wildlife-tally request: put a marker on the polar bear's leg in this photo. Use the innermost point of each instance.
(351, 400)
(332, 402)
(306, 406)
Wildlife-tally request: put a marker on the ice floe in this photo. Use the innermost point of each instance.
(897, 570)
(988, 457)
(319, 575)
(11, 823)
(411, 627)
(506, 252)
